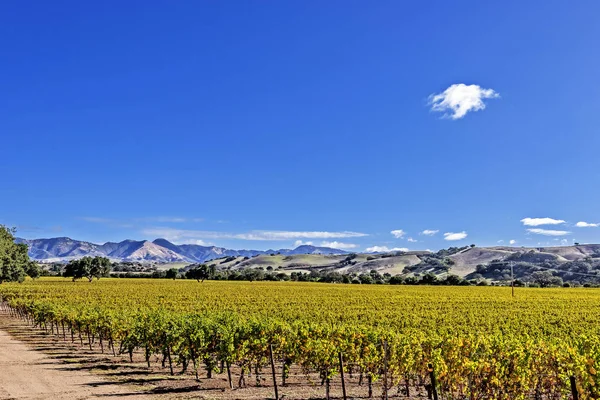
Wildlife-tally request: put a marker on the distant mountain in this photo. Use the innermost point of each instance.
(160, 250)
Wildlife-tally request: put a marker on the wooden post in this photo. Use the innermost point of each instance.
(229, 374)
(385, 370)
(512, 279)
(433, 382)
(342, 375)
(574, 391)
(273, 372)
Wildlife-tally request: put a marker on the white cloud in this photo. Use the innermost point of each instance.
(383, 249)
(564, 242)
(398, 233)
(541, 221)
(187, 235)
(429, 232)
(582, 224)
(339, 245)
(548, 232)
(411, 240)
(500, 241)
(455, 235)
(456, 101)
(513, 241)
(201, 242)
(300, 243)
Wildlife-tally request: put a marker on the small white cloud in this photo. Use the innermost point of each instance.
(582, 224)
(398, 233)
(541, 221)
(456, 101)
(411, 240)
(300, 243)
(455, 235)
(383, 249)
(339, 245)
(564, 242)
(512, 241)
(548, 232)
(203, 243)
(429, 232)
(500, 241)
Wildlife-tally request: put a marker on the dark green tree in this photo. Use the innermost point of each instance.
(172, 274)
(201, 272)
(14, 260)
(88, 267)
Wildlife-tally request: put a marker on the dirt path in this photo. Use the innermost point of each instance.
(29, 374)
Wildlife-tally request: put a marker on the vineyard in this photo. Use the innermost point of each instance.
(442, 342)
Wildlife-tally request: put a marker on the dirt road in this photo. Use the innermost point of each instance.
(29, 374)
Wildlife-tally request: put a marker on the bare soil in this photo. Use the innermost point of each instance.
(35, 364)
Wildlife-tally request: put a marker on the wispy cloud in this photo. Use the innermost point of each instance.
(300, 243)
(582, 224)
(455, 235)
(398, 233)
(456, 101)
(258, 235)
(429, 232)
(97, 220)
(500, 241)
(131, 221)
(383, 249)
(411, 240)
(339, 245)
(541, 221)
(109, 222)
(512, 241)
(548, 232)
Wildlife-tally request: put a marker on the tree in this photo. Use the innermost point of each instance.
(14, 260)
(429, 279)
(545, 279)
(33, 270)
(172, 274)
(100, 267)
(88, 267)
(201, 272)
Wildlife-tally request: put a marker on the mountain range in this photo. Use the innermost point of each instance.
(62, 249)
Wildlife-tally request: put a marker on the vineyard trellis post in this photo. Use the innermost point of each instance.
(433, 382)
(385, 370)
(512, 278)
(273, 371)
(574, 391)
(342, 374)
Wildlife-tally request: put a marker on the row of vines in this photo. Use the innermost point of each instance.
(495, 354)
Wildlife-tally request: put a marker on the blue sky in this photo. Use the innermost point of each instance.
(261, 124)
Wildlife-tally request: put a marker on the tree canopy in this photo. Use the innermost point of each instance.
(14, 260)
(88, 267)
(201, 272)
